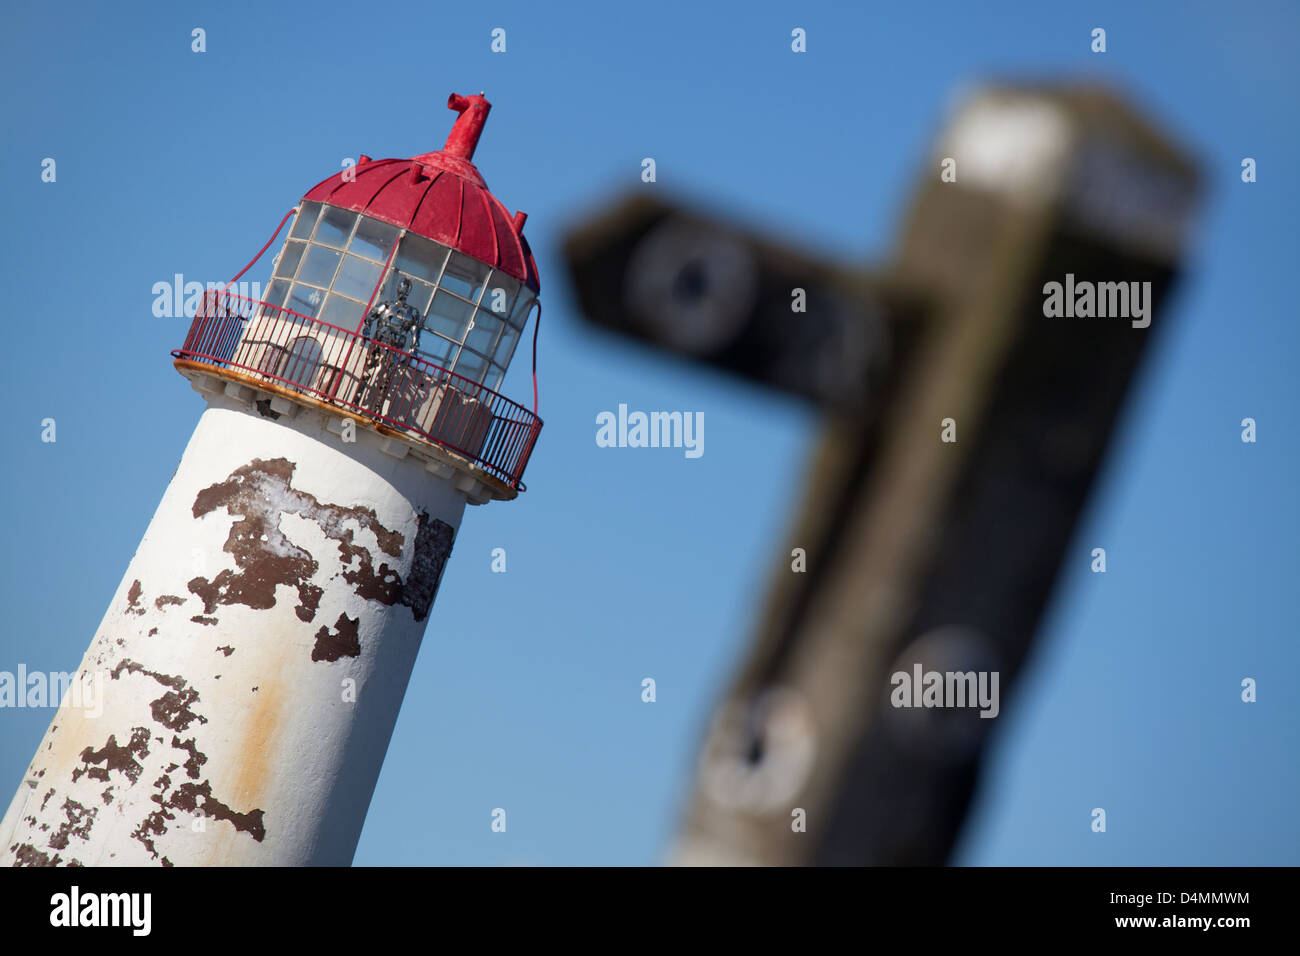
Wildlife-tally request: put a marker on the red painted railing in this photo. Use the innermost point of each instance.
(373, 380)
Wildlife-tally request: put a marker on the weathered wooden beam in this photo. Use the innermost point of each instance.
(925, 551)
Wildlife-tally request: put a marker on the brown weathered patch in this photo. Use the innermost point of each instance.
(200, 619)
(309, 596)
(79, 820)
(384, 585)
(342, 643)
(155, 824)
(163, 600)
(172, 709)
(27, 855)
(196, 760)
(226, 649)
(433, 541)
(264, 409)
(257, 494)
(133, 598)
(193, 797)
(115, 757)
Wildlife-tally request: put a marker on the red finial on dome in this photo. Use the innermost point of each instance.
(441, 196)
(463, 138)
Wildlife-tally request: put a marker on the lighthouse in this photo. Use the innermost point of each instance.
(252, 663)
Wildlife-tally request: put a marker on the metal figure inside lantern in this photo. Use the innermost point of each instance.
(393, 330)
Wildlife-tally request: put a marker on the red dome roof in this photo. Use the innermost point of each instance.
(440, 196)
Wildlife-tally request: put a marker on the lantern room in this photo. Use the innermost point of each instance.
(330, 269)
(401, 292)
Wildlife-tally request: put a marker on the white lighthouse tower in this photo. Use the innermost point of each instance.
(253, 660)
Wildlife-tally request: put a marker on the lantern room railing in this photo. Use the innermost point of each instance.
(373, 380)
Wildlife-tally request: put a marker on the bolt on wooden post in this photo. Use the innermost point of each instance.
(971, 386)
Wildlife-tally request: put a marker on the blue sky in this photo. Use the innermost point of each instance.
(624, 564)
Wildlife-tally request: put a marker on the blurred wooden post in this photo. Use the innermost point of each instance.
(919, 550)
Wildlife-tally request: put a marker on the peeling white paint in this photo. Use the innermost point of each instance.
(277, 734)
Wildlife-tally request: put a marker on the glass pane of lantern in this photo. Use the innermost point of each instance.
(302, 226)
(494, 376)
(436, 349)
(305, 300)
(449, 316)
(500, 294)
(483, 333)
(417, 257)
(464, 276)
(506, 346)
(343, 312)
(319, 266)
(519, 315)
(470, 365)
(335, 226)
(479, 282)
(357, 278)
(275, 292)
(387, 288)
(289, 258)
(419, 296)
(373, 239)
